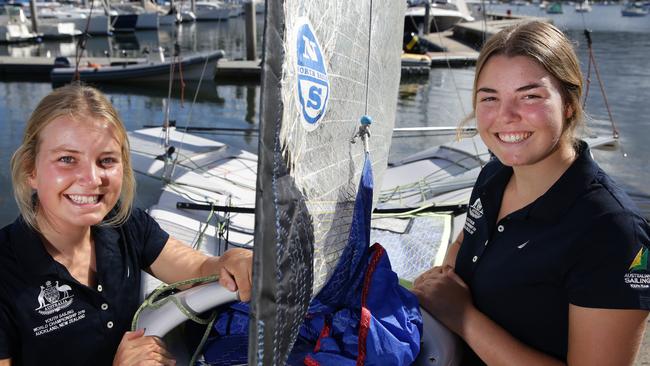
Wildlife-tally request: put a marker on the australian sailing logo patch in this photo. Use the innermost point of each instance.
(638, 275)
(53, 298)
(476, 209)
(313, 84)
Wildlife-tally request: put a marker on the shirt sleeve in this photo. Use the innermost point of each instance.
(151, 237)
(611, 264)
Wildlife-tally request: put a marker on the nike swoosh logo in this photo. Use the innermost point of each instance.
(521, 246)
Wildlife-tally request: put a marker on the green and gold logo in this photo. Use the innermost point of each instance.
(638, 275)
(640, 262)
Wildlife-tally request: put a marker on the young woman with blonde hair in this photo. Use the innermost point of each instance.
(70, 265)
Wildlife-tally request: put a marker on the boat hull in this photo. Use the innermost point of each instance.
(192, 68)
(124, 22)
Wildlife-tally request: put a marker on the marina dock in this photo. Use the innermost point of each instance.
(460, 44)
(232, 71)
(463, 42)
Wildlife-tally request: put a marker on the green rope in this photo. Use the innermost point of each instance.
(153, 302)
(202, 229)
(204, 338)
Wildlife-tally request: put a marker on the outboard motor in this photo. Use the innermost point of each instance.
(420, 45)
(61, 61)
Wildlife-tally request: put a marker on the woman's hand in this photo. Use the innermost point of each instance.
(443, 294)
(235, 269)
(179, 262)
(138, 349)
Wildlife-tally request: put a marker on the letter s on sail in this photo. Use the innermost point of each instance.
(314, 101)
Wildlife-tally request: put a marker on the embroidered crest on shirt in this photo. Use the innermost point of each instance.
(638, 275)
(53, 298)
(476, 209)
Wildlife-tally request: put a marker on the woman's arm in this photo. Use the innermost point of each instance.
(605, 336)
(5, 362)
(495, 346)
(177, 262)
(444, 294)
(596, 336)
(452, 251)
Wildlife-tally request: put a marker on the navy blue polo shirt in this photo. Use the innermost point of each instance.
(582, 242)
(49, 318)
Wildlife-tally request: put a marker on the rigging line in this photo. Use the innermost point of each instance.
(189, 118)
(582, 16)
(592, 60)
(448, 63)
(485, 27)
(484, 23)
(453, 79)
(177, 50)
(166, 126)
(81, 44)
(588, 82)
(368, 66)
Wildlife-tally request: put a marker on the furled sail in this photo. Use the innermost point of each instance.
(326, 64)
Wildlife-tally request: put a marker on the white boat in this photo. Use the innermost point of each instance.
(206, 177)
(187, 16)
(635, 9)
(47, 28)
(583, 7)
(554, 8)
(145, 19)
(177, 15)
(99, 23)
(236, 7)
(155, 69)
(14, 27)
(443, 15)
(60, 30)
(169, 19)
(209, 10)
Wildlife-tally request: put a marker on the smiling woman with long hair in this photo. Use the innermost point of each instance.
(551, 267)
(70, 265)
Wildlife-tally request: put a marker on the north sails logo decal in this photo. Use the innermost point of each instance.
(476, 210)
(53, 298)
(638, 275)
(313, 83)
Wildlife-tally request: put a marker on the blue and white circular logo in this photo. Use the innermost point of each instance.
(313, 84)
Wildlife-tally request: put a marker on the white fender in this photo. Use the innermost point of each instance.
(438, 346)
(159, 321)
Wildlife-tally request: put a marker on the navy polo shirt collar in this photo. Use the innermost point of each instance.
(562, 194)
(28, 246)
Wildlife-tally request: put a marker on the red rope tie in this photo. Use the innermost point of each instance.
(364, 328)
(364, 322)
(309, 361)
(325, 332)
(180, 74)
